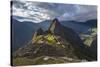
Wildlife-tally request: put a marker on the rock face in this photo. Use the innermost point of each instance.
(57, 41)
(66, 33)
(93, 48)
(71, 37)
(46, 45)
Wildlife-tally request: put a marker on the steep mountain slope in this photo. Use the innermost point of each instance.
(93, 47)
(78, 27)
(21, 33)
(88, 38)
(91, 23)
(65, 32)
(45, 44)
(72, 37)
(58, 43)
(28, 29)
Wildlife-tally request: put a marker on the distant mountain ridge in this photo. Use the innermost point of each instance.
(58, 41)
(48, 43)
(21, 33)
(28, 28)
(79, 27)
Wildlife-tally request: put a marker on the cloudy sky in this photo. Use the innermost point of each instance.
(41, 11)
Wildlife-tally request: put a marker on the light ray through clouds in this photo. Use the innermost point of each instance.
(40, 11)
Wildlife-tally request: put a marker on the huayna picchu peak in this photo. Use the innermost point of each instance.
(54, 23)
(59, 44)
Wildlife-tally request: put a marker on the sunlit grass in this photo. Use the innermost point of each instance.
(39, 60)
(88, 41)
(22, 61)
(49, 39)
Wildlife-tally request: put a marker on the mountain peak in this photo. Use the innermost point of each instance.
(55, 22)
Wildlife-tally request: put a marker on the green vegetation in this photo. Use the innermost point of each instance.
(39, 60)
(22, 61)
(94, 31)
(49, 39)
(89, 38)
(48, 47)
(88, 41)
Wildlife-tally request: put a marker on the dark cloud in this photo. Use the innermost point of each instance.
(45, 10)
